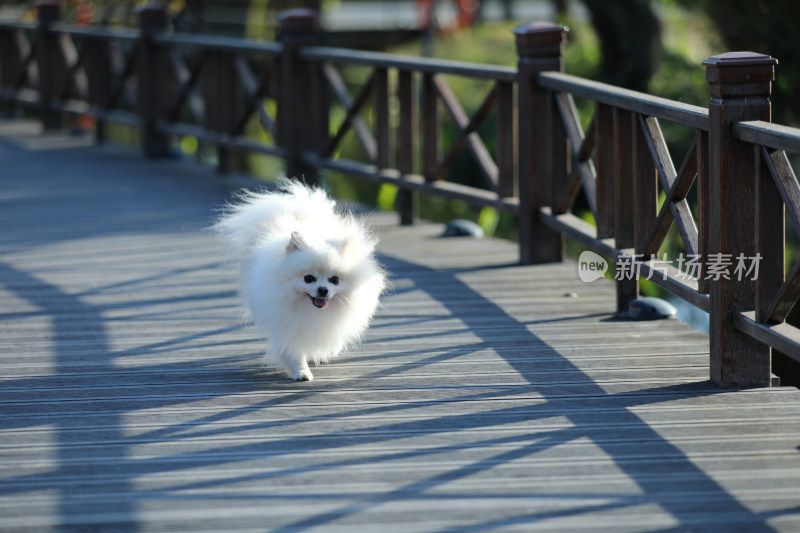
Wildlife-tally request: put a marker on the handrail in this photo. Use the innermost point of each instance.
(229, 44)
(417, 64)
(96, 32)
(15, 25)
(775, 136)
(642, 103)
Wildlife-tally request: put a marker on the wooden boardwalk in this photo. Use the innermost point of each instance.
(132, 399)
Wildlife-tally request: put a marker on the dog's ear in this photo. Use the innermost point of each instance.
(296, 243)
(354, 246)
(346, 246)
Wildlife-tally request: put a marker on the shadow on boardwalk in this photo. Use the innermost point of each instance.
(133, 400)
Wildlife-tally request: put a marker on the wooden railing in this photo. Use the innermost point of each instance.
(540, 160)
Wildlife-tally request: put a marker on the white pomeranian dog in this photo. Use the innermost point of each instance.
(307, 273)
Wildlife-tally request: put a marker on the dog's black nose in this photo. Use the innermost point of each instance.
(322, 291)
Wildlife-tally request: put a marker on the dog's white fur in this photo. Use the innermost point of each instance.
(282, 241)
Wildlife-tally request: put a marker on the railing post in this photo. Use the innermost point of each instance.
(220, 92)
(431, 127)
(153, 80)
(624, 201)
(407, 94)
(99, 74)
(542, 151)
(50, 64)
(11, 66)
(298, 28)
(740, 84)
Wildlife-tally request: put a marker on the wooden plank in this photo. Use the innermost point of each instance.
(676, 186)
(98, 71)
(736, 359)
(383, 140)
(645, 186)
(569, 192)
(661, 227)
(506, 140)
(467, 132)
(774, 136)
(772, 303)
(94, 32)
(686, 226)
(589, 141)
(407, 146)
(670, 212)
(783, 337)
(446, 189)
(431, 127)
(255, 91)
(219, 87)
(75, 80)
(659, 152)
(624, 201)
(785, 181)
(639, 103)
(133, 396)
(570, 119)
(12, 52)
(413, 63)
(123, 67)
(603, 132)
(586, 170)
(704, 238)
(351, 119)
(687, 173)
(783, 299)
(560, 156)
(675, 208)
(216, 42)
(187, 91)
(542, 147)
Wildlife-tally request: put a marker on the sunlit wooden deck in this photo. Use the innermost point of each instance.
(132, 398)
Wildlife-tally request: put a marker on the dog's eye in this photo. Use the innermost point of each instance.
(309, 278)
(334, 280)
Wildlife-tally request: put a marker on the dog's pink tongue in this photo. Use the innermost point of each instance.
(320, 302)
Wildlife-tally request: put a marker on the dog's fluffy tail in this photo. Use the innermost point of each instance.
(242, 223)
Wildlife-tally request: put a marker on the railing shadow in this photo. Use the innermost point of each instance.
(255, 452)
(112, 446)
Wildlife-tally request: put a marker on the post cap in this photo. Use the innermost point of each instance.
(740, 67)
(298, 22)
(153, 15)
(47, 10)
(540, 39)
(541, 33)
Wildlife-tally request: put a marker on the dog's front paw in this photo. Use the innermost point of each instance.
(301, 372)
(303, 375)
(297, 368)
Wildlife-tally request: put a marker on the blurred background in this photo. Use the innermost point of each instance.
(648, 45)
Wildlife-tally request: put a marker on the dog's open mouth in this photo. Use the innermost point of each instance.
(319, 302)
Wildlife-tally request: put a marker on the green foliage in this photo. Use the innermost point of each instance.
(767, 27)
